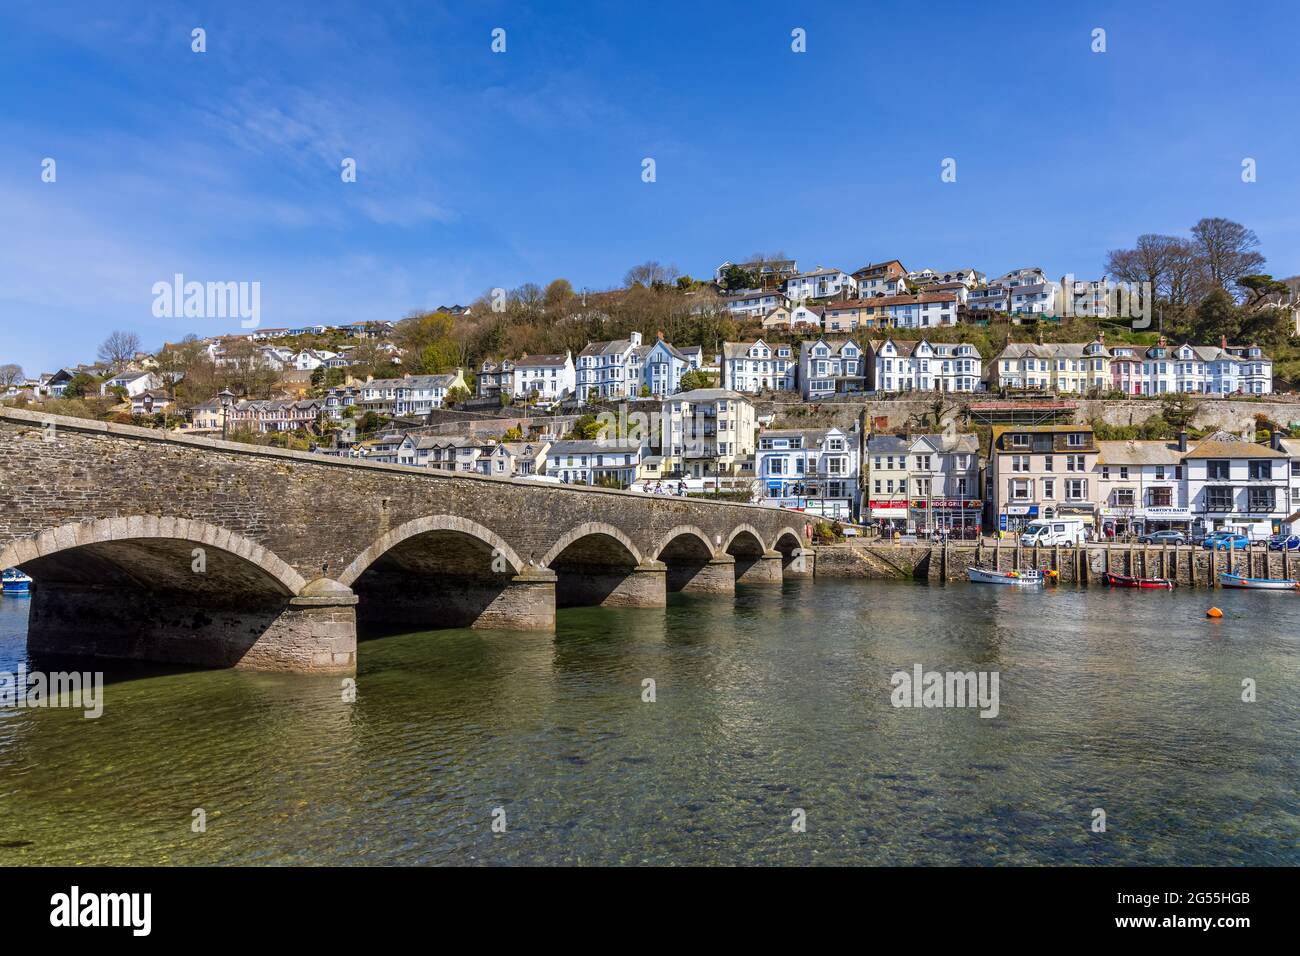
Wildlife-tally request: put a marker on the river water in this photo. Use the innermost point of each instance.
(1128, 702)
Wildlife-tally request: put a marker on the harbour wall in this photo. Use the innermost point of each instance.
(1186, 565)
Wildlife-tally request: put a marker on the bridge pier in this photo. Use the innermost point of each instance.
(763, 569)
(715, 576)
(799, 563)
(644, 585)
(314, 632)
(526, 604)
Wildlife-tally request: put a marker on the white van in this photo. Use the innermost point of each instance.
(1067, 531)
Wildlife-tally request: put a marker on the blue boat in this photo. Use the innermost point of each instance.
(15, 582)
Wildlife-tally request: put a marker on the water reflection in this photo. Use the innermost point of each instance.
(776, 700)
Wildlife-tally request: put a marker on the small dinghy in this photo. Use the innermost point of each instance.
(1010, 577)
(1124, 581)
(1258, 584)
(15, 582)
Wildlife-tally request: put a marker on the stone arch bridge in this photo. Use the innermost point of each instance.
(191, 550)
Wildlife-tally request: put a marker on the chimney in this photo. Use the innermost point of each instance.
(1182, 440)
(1275, 439)
(1101, 336)
(1040, 335)
(1162, 340)
(660, 333)
(1223, 342)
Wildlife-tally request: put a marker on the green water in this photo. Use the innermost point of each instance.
(1125, 701)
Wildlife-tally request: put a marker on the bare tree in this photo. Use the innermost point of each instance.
(119, 348)
(1227, 251)
(651, 274)
(10, 374)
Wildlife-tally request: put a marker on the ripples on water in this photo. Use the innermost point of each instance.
(1123, 700)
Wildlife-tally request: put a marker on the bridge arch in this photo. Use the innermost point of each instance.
(683, 537)
(744, 539)
(592, 529)
(440, 571)
(427, 525)
(787, 541)
(55, 552)
(180, 591)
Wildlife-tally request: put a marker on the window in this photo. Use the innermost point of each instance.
(1020, 489)
(1260, 500)
(1075, 439)
(1216, 469)
(1047, 463)
(1124, 498)
(1261, 471)
(1162, 497)
(1218, 499)
(1019, 440)
(1076, 489)
(1049, 488)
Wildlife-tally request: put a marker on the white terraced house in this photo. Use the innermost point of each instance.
(820, 284)
(1140, 487)
(609, 369)
(590, 462)
(813, 470)
(549, 377)
(410, 394)
(826, 368)
(1205, 369)
(753, 367)
(903, 366)
(754, 303)
(1237, 485)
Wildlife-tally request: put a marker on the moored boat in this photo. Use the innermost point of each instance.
(1028, 578)
(1125, 581)
(14, 581)
(1229, 580)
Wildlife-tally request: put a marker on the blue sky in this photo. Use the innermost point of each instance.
(478, 170)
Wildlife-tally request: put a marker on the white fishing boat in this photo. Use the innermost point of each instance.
(14, 581)
(1256, 584)
(1024, 578)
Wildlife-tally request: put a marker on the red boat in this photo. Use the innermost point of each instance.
(1124, 581)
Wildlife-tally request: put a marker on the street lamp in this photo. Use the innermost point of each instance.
(227, 397)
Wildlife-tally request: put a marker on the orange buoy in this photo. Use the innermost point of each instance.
(1053, 573)
(1214, 612)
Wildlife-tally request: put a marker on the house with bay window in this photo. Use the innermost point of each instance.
(549, 377)
(887, 490)
(820, 284)
(902, 366)
(753, 367)
(1041, 471)
(1140, 487)
(1237, 485)
(827, 368)
(943, 480)
(610, 369)
(815, 470)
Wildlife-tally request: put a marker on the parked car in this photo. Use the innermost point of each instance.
(1067, 531)
(1284, 542)
(1223, 540)
(1163, 537)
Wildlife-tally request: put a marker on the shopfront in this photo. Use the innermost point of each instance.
(1014, 517)
(1119, 522)
(889, 513)
(958, 517)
